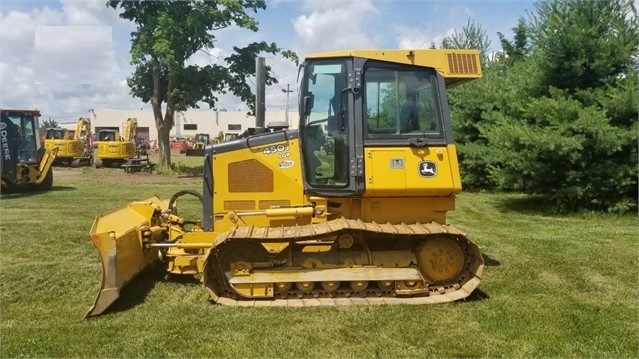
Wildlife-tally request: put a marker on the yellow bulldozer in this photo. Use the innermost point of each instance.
(76, 151)
(286, 222)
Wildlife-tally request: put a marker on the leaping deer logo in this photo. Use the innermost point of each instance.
(427, 169)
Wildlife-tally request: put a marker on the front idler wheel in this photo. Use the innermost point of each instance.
(441, 259)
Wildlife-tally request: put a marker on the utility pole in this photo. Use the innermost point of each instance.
(287, 91)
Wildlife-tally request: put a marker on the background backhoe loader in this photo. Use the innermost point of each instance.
(286, 223)
(199, 142)
(25, 164)
(76, 151)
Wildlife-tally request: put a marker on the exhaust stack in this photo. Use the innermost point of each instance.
(260, 78)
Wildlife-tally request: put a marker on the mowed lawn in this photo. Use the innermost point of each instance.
(555, 285)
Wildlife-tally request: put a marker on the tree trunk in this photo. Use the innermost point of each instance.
(164, 145)
(163, 134)
(163, 127)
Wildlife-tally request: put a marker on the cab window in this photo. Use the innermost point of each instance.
(400, 101)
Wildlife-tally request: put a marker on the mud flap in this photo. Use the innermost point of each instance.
(117, 237)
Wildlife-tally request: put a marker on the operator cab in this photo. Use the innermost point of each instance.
(107, 135)
(23, 129)
(56, 134)
(349, 103)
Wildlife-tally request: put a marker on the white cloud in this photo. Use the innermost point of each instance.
(89, 13)
(74, 47)
(416, 38)
(73, 54)
(333, 25)
(305, 27)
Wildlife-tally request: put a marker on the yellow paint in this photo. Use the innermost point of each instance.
(262, 186)
(446, 62)
(122, 147)
(396, 172)
(269, 174)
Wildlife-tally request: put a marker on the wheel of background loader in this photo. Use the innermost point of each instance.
(75, 163)
(97, 163)
(219, 261)
(440, 259)
(47, 182)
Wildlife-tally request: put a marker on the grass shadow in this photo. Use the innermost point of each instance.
(136, 291)
(181, 279)
(477, 295)
(530, 205)
(23, 192)
(489, 261)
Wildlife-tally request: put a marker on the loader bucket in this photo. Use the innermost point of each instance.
(195, 152)
(117, 237)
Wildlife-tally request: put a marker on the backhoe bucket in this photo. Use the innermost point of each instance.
(117, 237)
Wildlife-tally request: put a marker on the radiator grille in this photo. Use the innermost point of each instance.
(250, 176)
(463, 63)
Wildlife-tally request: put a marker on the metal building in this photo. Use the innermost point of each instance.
(187, 123)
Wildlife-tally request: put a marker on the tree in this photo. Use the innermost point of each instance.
(572, 134)
(472, 36)
(557, 116)
(519, 48)
(584, 44)
(481, 101)
(46, 124)
(167, 34)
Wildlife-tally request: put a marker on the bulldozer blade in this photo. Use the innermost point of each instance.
(117, 237)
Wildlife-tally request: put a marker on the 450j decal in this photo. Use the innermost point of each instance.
(275, 149)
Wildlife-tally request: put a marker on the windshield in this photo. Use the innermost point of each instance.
(54, 134)
(400, 101)
(27, 136)
(323, 124)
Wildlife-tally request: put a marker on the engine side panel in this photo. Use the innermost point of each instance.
(256, 178)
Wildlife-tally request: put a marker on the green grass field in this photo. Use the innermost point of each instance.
(554, 286)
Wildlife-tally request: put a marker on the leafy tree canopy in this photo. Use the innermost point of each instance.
(557, 115)
(167, 34)
(46, 124)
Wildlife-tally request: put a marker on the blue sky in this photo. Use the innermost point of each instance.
(68, 56)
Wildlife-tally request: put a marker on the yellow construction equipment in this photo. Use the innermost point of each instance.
(76, 151)
(113, 150)
(24, 163)
(220, 137)
(199, 142)
(350, 208)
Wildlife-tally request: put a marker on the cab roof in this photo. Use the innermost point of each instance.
(455, 65)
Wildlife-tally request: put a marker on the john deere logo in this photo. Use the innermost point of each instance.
(4, 141)
(427, 169)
